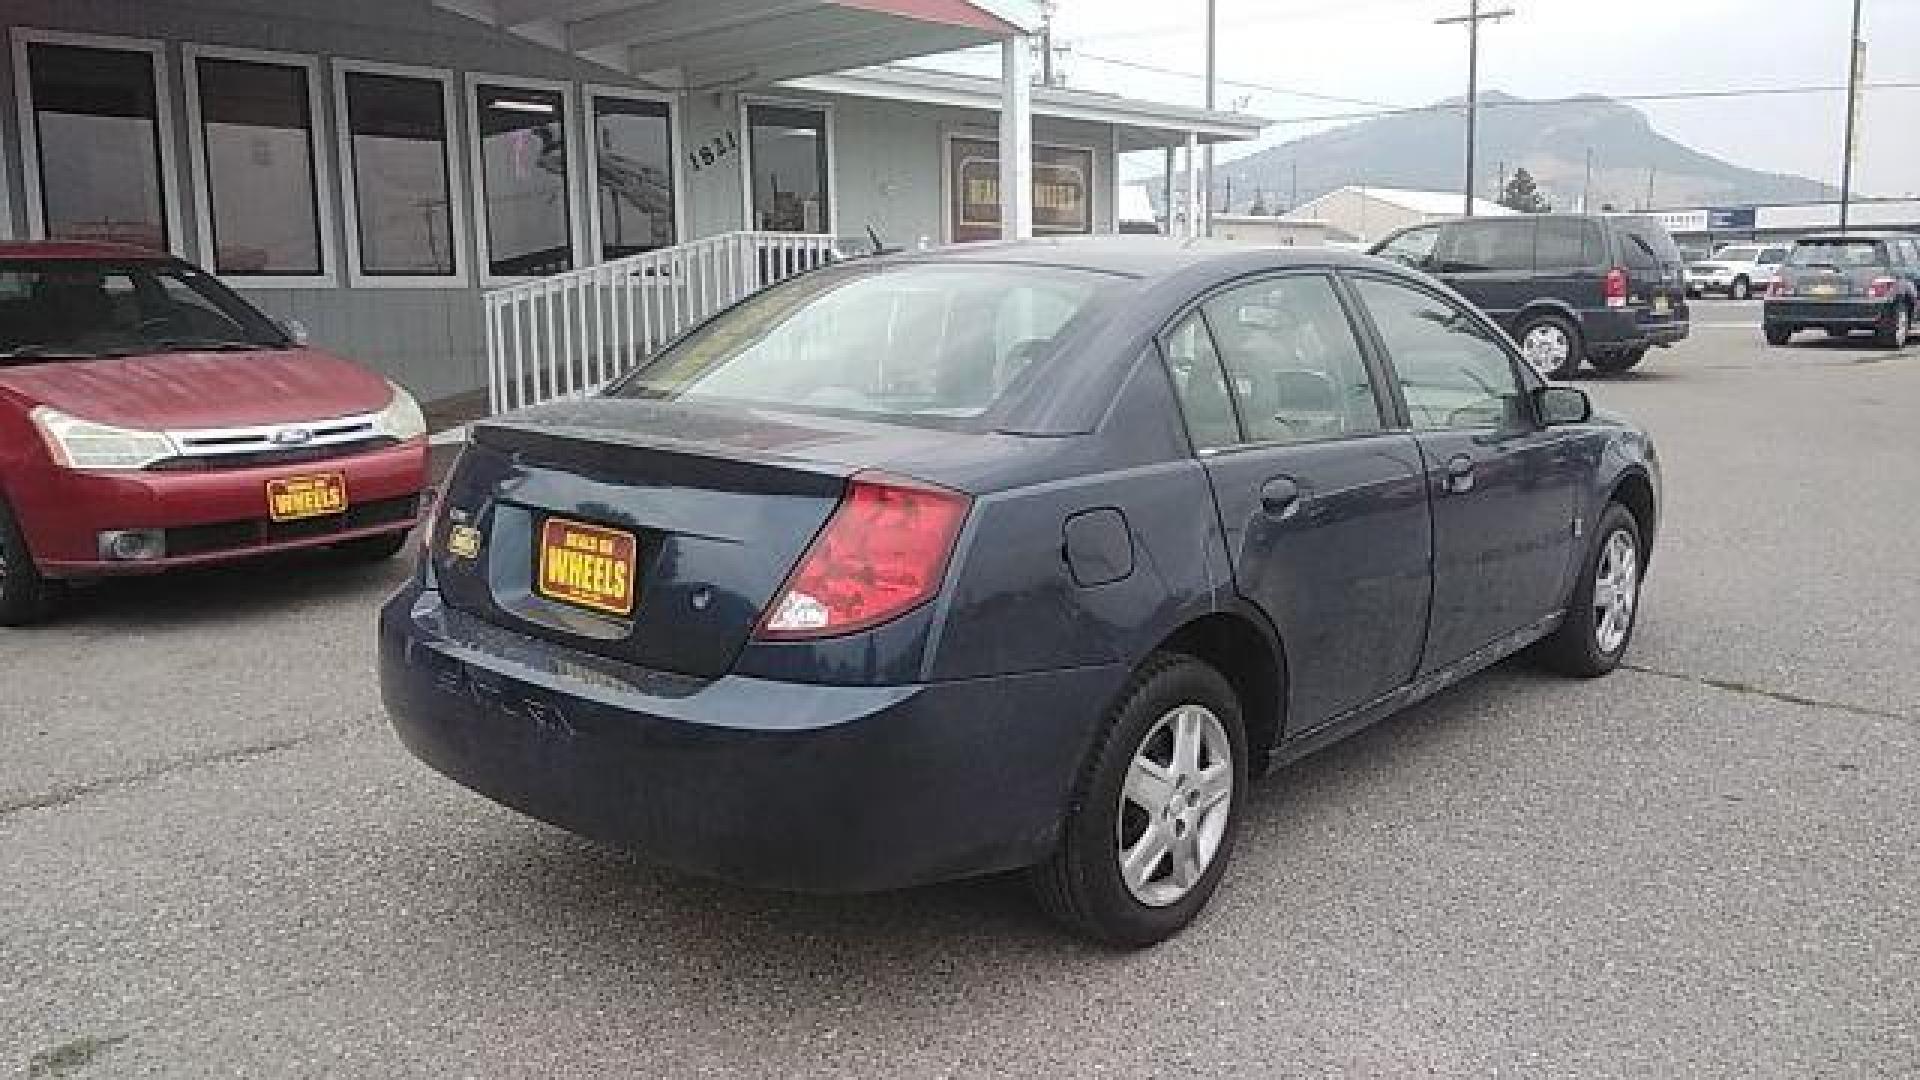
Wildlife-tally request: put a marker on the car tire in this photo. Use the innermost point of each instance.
(373, 549)
(1616, 363)
(1551, 345)
(1587, 644)
(1779, 335)
(25, 596)
(1894, 327)
(1170, 702)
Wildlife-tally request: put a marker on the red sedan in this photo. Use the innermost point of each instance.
(150, 418)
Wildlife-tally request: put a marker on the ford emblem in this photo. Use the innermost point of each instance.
(292, 436)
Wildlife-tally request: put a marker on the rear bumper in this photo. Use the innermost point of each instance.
(1618, 330)
(210, 517)
(1851, 314)
(782, 785)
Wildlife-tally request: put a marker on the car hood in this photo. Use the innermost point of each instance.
(185, 390)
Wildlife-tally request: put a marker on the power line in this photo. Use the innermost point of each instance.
(1244, 85)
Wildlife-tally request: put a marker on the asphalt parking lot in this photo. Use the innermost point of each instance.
(217, 861)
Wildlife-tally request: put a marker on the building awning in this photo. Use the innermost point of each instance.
(1138, 125)
(717, 44)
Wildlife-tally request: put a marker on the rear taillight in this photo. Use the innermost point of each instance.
(883, 553)
(1617, 287)
(1778, 288)
(1880, 288)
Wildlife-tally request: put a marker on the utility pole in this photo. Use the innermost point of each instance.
(1586, 189)
(1856, 53)
(1207, 228)
(1648, 205)
(1473, 18)
(1293, 197)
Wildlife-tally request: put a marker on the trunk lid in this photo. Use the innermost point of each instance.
(719, 505)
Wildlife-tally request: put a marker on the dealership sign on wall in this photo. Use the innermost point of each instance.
(1062, 190)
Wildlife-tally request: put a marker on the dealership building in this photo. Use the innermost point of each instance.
(467, 193)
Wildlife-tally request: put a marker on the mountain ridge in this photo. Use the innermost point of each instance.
(1550, 139)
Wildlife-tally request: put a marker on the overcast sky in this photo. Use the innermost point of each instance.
(1391, 51)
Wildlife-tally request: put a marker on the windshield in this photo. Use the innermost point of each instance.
(55, 309)
(1837, 253)
(1737, 254)
(916, 342)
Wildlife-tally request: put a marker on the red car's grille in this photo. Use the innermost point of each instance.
(234, 535)
(293, 455)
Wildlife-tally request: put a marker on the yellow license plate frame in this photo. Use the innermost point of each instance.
(588, 566)
(1662, 305)
(298, 498)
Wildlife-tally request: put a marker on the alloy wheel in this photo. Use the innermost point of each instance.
(1616, 589)
(1546, 348)
(1174, 805)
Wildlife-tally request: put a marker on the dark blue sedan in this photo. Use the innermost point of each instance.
(1017, 556)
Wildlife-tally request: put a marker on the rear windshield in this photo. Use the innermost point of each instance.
(1838, 252)
(66, 309)
(925, 343)
(1656, 238)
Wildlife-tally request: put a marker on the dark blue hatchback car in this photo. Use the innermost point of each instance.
(1018, 556)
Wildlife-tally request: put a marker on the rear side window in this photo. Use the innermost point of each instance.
(1568, 244)
(1292, 361)
(1201, 385)
(1838, 252)
(919, 343)
(1491, 245)
(1638, 255)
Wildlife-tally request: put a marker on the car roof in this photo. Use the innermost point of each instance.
(78, 250)
(1858, 234)
(1133, 256)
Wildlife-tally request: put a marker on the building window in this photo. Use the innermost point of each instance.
(97, 142)
(396, 128)
(524, 190)
(633, 175)
(255, 140)
(1062, 190)
(787, 148)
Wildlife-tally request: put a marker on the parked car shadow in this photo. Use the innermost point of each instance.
(706, 937)
(267, 586)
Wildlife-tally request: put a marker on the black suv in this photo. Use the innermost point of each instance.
(1842, 282)
(1568, 287)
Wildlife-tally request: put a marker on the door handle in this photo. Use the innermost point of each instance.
(1459, 479)
(1279, 497)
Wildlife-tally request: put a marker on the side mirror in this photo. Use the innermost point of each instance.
(295, 330)
(1562, 405)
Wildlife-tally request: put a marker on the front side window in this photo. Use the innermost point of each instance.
(787, 149)
(1413, 247)
(65, 309)
(633, 175)
(256, 129)
(397, 127)
(1452, 371)
(1490, 245)
(97, 140)
(523, 178)
(926, 344)
(1773, 256)
(1292, 362)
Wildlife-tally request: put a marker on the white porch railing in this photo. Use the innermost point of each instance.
(569, 334)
